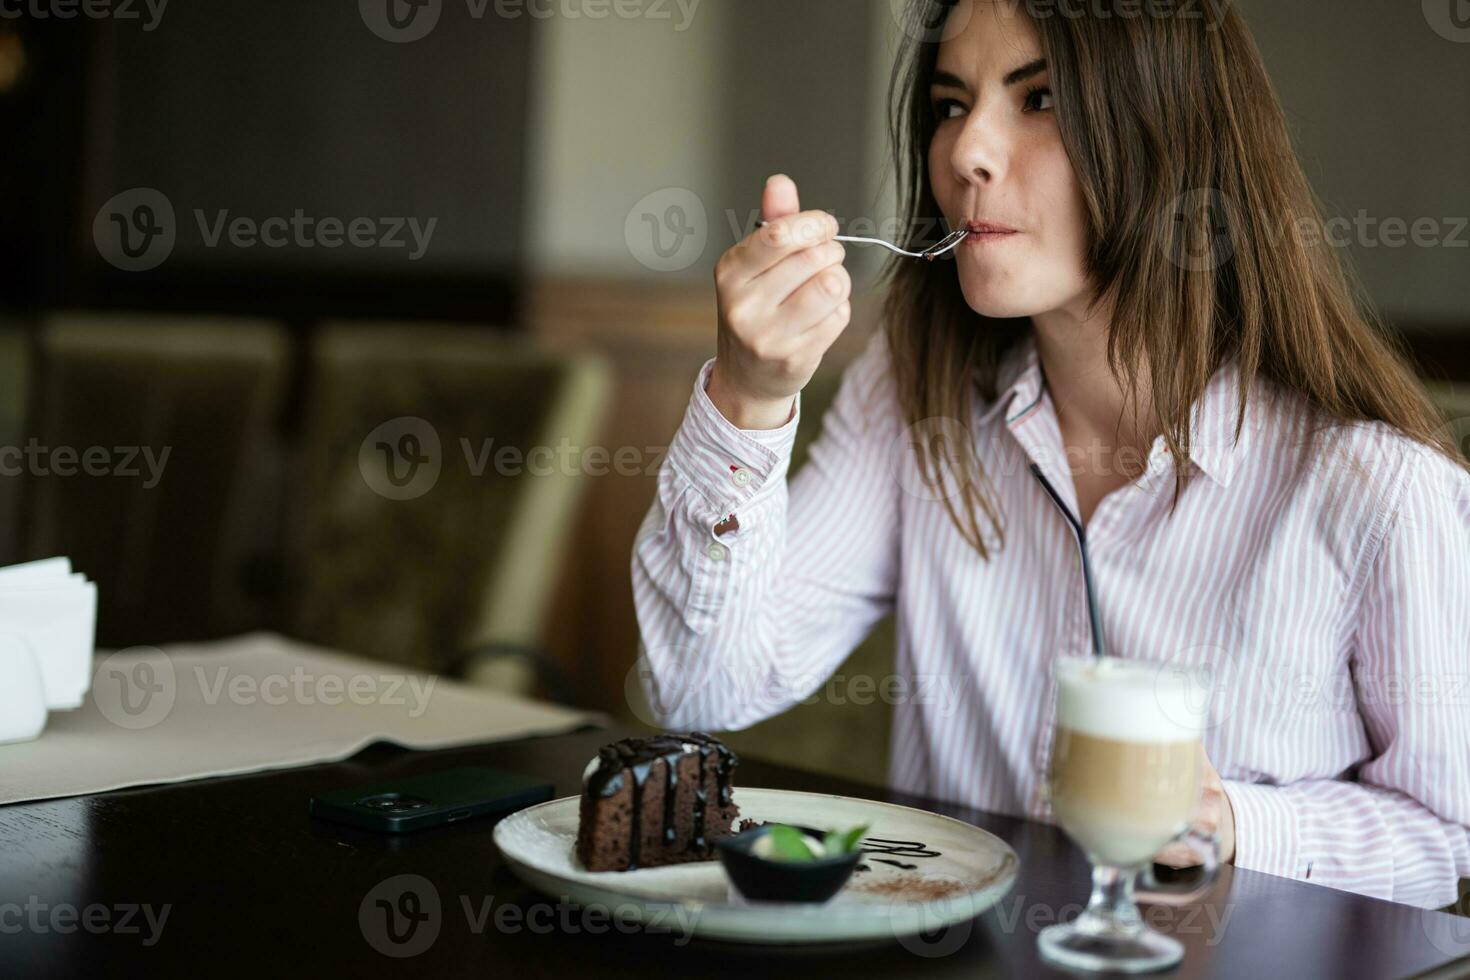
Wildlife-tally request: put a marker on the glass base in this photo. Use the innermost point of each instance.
(1096, 943)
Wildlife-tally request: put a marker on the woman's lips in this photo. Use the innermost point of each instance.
(985, 232)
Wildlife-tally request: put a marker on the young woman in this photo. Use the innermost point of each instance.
(1142, 322)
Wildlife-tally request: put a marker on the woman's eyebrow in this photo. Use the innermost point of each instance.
(944, 79)
(1025, 71)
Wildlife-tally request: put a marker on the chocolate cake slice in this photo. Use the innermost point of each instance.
(648, 802)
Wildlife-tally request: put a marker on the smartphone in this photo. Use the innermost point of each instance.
(431, 799)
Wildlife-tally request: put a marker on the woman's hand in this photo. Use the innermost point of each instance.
(1215, 818)
(784, 298)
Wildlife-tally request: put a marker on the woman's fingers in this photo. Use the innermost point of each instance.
(783, 297)
(818, 297)
(777, 283)
(767, 247)
(780, 198)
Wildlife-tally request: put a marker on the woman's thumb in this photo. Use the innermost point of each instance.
(780, 198)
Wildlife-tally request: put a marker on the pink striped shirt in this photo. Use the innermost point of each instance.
(1320, 589)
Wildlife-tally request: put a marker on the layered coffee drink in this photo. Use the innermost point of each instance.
(1127, 760)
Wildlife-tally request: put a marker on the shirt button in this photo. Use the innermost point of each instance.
(742, 478)
(716, 552)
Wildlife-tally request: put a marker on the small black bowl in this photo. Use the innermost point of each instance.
(773, 880)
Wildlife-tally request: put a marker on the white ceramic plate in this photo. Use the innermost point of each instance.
(954, 871)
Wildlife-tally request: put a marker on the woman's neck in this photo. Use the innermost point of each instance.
(1092, 404)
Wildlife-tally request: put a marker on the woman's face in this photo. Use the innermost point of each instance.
(997, 157)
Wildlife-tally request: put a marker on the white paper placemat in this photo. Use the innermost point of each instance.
(252, 703)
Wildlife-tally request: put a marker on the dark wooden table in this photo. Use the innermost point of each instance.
(251, 886)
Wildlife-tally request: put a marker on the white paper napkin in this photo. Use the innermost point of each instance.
(51, 611)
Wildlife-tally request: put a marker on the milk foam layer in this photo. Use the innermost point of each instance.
(1127, 700)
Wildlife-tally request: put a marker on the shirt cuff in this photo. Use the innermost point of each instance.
(1266, 830)
(729, 466)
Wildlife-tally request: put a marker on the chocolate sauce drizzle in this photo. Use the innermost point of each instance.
(637, 755)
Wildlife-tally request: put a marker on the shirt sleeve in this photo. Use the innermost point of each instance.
(1399, 831)
(750, 594)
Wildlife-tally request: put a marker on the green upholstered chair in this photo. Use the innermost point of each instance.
(169, 541)
(832, 733)
(453, 573)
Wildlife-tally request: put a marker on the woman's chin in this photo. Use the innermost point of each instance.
(998, 303)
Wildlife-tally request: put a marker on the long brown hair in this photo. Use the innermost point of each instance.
(1153, 111)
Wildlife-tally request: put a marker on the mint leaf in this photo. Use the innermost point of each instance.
(788, 844)
(835, 843)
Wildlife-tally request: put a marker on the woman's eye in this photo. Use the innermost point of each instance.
(948, 109)
(1038, 100)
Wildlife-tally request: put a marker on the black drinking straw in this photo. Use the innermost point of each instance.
(1081, 532)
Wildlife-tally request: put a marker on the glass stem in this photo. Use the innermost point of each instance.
(1112, 908)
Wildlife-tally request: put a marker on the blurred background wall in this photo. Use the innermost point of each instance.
(573, 173)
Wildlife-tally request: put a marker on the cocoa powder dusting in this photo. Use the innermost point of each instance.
(908, 887)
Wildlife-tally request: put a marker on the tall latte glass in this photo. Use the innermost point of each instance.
(1126, 770)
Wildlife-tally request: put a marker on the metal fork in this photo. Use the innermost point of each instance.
(948, 244)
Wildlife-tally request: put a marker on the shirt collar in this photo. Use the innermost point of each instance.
(1018, 382)
(1213, 447)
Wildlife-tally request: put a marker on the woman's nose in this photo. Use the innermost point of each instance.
(979, 153)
